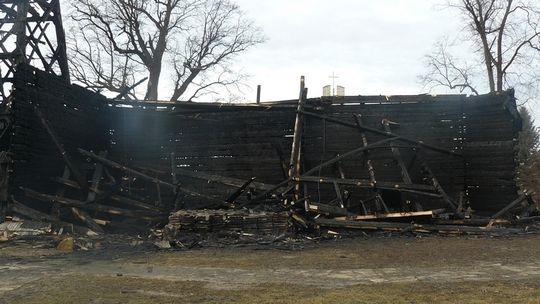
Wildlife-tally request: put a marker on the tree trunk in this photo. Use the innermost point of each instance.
(153, 81)
(487, 60)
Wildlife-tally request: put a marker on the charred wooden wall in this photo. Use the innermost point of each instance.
(244, 141)
(254, 141)
(72, 111)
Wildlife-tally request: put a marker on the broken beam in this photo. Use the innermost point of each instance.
(383, 133)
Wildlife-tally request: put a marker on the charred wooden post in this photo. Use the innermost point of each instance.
(435, 182)
(397, 154)
(296, 149)
(339, 195)
(258, 94)
(379, 202)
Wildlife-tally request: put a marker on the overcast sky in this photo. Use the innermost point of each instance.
(375, 47)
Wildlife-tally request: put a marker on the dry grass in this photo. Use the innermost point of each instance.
(93, 289)
(370, 253)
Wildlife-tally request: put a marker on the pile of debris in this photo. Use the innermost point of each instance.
(215, 221)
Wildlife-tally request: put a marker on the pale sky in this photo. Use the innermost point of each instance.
(375, 47)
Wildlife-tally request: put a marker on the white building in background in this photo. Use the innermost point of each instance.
(327, 91)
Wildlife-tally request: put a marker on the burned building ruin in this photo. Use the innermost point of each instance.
(72, 156)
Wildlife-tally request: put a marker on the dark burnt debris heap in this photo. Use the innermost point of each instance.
(421, 163)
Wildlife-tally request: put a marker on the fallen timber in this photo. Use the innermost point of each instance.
(150, 178)
(145, 215)
(413, 227)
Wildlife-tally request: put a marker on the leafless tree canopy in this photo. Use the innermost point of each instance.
(195, 40)
(505, 39)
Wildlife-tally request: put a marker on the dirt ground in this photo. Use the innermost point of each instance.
(430, 269)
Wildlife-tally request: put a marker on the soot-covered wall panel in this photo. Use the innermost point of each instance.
(71, 111)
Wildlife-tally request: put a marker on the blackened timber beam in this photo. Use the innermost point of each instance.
(379, 201)
(439, 188)
(149, 178)
(338, 194)
(145, 215)
(269, 191)
(78, 213)
(239, 191)
(296, 148)
(31, 213)
(120, 167)
(227, 181)
(371, 171)
(86, 219)
(65, 155)
(104, 195)
(348, 154)
(397, 155)
(514, 203)
(363, 183)
(325, 164)
(383, 133)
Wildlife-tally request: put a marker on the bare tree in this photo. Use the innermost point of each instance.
(95, 65)
(505, 35)
(444, 70)
(194, 37)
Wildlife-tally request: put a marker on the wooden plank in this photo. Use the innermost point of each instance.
(394, 215)
(327, 209)
(396, 226)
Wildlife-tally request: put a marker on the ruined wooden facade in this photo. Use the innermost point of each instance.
(362, 154)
